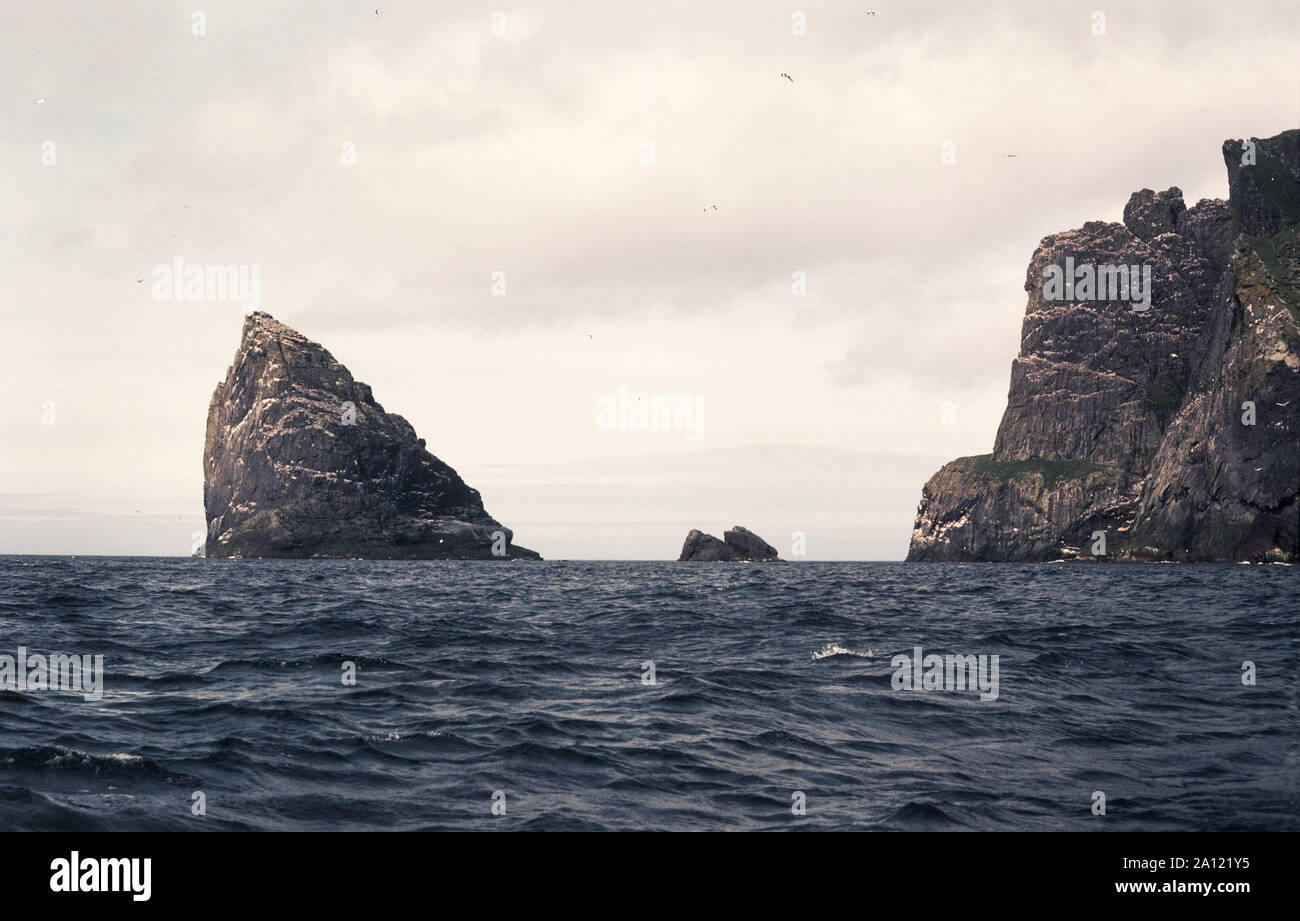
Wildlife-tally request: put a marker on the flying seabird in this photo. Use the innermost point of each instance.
(41, 101)
(788, 77)
(708, 206)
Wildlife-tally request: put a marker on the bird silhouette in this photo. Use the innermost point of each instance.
(788, 77)
(708, 206)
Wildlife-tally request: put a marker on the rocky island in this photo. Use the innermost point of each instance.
(300, 461)
(1168, 426)
(737, 545)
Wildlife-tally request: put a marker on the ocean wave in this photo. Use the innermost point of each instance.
(72, 762)
(531, 680)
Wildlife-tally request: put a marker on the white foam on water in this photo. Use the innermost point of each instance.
(835, 649)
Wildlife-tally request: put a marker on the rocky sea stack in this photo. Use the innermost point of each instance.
(300, 461)
(737, 545)
(1172, 430)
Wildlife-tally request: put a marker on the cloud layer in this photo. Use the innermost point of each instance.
(381, 169)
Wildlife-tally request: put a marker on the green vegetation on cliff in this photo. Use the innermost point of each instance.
(1052, 471)
(1281, 257)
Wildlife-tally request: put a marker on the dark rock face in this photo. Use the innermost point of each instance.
(1132, 423)
(704, 548)
(748, 545)
(738, 545)
(300, 461)
(1149, 214)
(1265, 196)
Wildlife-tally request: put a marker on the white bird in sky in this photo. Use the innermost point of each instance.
(41, 101)
(708, 206)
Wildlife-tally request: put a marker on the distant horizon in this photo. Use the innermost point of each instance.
(372, 559)
(688, 564)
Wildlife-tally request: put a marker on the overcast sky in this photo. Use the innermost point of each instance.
(575, 153)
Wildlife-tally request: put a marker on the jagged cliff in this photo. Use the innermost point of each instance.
(300, 461)
(1171, 428)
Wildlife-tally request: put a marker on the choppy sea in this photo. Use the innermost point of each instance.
(616, 695)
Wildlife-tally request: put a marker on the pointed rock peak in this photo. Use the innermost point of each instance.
(262, 329)
(300, 461)
(261, 323)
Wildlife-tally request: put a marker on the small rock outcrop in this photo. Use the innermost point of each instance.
(1174, 430)
(300, 461)
(737, 545)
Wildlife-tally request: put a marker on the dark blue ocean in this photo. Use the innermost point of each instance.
(528, 680)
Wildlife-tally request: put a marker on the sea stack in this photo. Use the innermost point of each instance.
(737, 545)
(1170, 427)
(300, 461)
